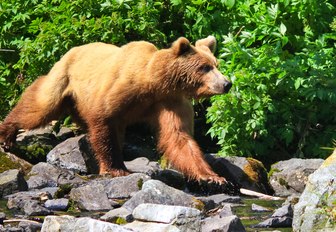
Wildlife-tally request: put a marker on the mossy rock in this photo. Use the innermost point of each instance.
(6, 163)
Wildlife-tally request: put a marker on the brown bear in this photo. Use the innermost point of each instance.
(105, 88)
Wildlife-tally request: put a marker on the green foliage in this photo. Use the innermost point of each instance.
(280, 55)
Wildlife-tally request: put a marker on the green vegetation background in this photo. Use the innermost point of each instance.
(280, 55)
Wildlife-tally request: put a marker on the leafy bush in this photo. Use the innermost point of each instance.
(280, 55)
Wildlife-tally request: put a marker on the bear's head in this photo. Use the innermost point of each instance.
(194, 68)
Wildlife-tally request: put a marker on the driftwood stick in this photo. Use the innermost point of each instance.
(21, 220)
(257, 194)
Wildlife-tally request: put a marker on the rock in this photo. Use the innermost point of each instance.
(34, 208)
(18, 200)
(122, 187)
(290, 176)
(156, 192)
(74, 154)
(225, 211)
(10, 161)
(46, 175)
(70, 223)
(316, 208)
(57, 204)
(139, 226)
(30, 226)
(258, 208)
(12, 181)
(184, 218)
(91, 198)
(172, 178)
(118, 216)
(222, 224)
(220, 199)
(2, 217)
(142, 165)
(243, 172)
(282, 217)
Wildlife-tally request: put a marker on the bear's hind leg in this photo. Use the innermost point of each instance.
(106, 141)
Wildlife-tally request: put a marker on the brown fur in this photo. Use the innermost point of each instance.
(107, 88)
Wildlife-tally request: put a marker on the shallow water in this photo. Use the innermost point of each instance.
(250, 218)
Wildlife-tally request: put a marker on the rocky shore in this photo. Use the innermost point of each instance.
(64, 193)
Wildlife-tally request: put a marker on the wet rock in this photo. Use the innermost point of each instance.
(69, 223)
(222, 224)
(290, 176)
(316, 209)
(34, 208)
(243, 172)
(74, 154)
(57, 204)
(121, 187)
(172, 178)
(12, 181)
(142, 165)
(156, 192)
(282, 217)
(91, 198)
(220, 199)
(184, 218)
(118, 216)
(258, 208)
(46, 175)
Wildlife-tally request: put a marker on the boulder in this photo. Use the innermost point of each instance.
(282, 217)
(184, 218)
(243, 172)
(140, 226)
(290, 176)
(220, 199)
(70, 223)
(142, 165)
(316, 208)
(57, 204)
(74, 154)
(156, 192)
(118, 216)
(222, 224)
(12, 181)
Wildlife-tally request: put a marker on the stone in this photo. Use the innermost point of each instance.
(70, 223)
(57, 204)
(220, 199)
(18, 200)
(46, 175)
(172, 178)
(118, 215)
(184, 218)
(142, 165)
(151, 226)
(74, 154)
(123, 186)
(316, 208)
(156, 192)
(91, 198)
(290, 176)
(34, 208)
(243, 172)
(2, 217)
(222, 224)
(30, 226)
(258, 208)
(282, 217)
(12, 181)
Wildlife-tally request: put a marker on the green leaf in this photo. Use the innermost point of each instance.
(283, 29)
(229, 3)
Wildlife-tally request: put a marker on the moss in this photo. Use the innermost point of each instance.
(121, 221)
(73, 207)
(63, 190)
(283, 182)
(140, 183)
(272, 171)
(164, 163)
(6, 163)
(198, 204)
(254, 169)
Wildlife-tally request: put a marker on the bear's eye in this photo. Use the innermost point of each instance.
(206, 68)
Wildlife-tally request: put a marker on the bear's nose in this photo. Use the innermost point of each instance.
(227, 86)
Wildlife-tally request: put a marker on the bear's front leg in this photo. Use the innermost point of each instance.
(106, 141)
(175, 125)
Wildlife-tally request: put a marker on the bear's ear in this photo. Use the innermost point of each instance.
(181, 46)
(209, 42)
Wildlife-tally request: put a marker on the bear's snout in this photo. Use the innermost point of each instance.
(227, 86)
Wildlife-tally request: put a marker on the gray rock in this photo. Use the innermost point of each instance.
(184, 218)
(172, 178)
(122, 187)
(284, 211)
(70, 223)
(119, 214)
(156, 192)
(12, 181)
(247, 173)
(91, 198)
(46, 175)
(139, 226)
(282, 217)
(57, 204)
(315, 210)
(258, 208)
(18, 200)
(30, 226)
(142, 165)
(220, 199)
(225, 211)
(74, 154)
(222, 224)
(2, 217)
(290, 176)
(34, 208)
